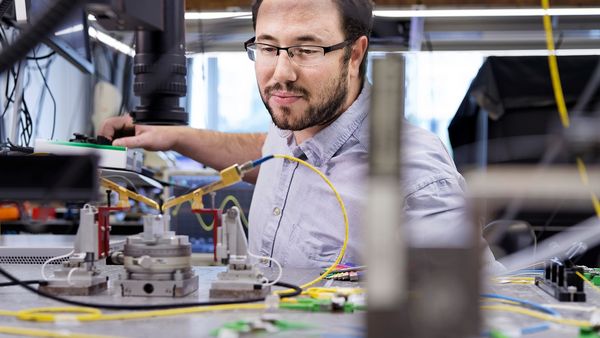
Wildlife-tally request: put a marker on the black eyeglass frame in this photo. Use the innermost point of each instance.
(326, 50)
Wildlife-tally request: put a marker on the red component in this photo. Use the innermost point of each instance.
(43, 213)
(216, 214)
(104, 229)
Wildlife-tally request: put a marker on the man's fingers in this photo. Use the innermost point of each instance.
(113, 124)
(129, 142)
(142, 139)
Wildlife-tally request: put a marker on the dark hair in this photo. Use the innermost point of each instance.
(357, 20)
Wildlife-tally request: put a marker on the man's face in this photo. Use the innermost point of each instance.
(300, 97)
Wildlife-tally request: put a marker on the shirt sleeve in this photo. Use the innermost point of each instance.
(436, 214)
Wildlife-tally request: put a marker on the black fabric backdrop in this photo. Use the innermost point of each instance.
(516, 93)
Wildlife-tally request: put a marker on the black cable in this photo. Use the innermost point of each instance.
(47, 56)
(45, 25)
(25, 121)
(42, 97)
(40, 282)
(296, 288)
(37, 63)
(13, 147)
(27, 124)
(15, 280)
(10, 98)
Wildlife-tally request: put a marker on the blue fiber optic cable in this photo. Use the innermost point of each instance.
(260, 161)
(527, 303)
(526, 330)
(535, 328)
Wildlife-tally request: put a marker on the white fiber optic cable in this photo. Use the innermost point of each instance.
(272, 260)
(53, 259)
(70, 275)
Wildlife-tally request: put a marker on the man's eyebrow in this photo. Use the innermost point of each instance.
(267, 37)
(308, 38)
(301, 38)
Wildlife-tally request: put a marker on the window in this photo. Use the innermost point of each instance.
(436, 84)
(224, 94)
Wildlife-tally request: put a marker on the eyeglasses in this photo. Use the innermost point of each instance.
(304, 55)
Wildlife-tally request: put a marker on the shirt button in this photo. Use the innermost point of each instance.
(276, 211)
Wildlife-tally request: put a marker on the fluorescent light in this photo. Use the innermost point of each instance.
(540, 52)
(110, 41)
(457, 13)
(216, 15)
(69, 30)
(91, 17)
(516, 52)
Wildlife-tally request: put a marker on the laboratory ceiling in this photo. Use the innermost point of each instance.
(427, 34)
(198, 5)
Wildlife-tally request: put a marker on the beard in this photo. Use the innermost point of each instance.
(328, 107)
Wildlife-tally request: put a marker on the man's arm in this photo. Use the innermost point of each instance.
(219, 150)
(215, 149)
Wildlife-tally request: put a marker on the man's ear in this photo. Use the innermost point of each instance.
(359, 51)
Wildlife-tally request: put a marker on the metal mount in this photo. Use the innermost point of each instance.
(241, 280)
(79, 275)
(157, 262)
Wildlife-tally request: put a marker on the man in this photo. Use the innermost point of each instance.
(310, 61)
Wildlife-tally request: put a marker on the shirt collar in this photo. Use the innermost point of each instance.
(320, 148)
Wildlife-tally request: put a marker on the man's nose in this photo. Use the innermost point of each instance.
(284, 68)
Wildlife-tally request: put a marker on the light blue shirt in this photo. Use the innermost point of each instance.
(295, 218)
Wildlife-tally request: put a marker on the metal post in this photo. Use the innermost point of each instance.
(387, 282)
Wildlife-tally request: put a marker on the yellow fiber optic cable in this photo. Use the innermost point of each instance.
(521, 280)
(52, 314)
(234, 174)
(554, 74)
(597, 289)
(560, 98)
(586, 182)
(536, 314)
(21, 331)
(209, 227)
(180, 311)
(515, 278)
(320, 292)
(49, 314)
(346, 226)
(8, 313)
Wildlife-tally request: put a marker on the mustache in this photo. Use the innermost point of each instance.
(289, 87)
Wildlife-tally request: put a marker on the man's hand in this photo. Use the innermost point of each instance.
(215, 149)
(153, 138)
